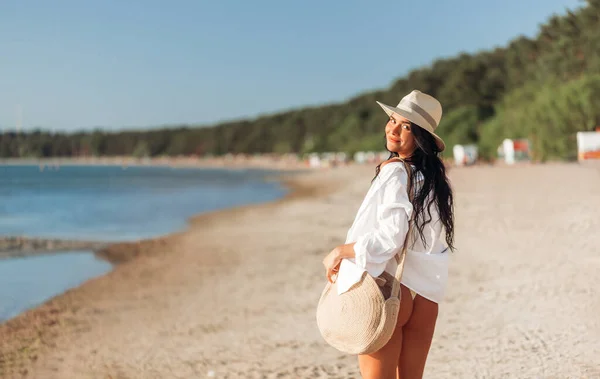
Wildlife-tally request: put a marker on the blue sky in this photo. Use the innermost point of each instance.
(72, 64)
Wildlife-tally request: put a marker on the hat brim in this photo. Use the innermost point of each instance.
(415, 118)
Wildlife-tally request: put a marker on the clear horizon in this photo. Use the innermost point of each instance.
(69, 66)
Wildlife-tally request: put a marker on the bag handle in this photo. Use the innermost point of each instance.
(400, 257)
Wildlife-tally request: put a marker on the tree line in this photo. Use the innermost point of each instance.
(544, 89)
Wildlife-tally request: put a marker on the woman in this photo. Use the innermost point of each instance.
(380, 227)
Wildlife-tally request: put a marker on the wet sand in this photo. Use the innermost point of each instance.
(234, 295)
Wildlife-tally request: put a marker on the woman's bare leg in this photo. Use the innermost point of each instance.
(383, 364)
(417, 335)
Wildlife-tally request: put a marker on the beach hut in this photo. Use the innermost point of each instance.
(515, 150)
(465, 155)
(588, 145)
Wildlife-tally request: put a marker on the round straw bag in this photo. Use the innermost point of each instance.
(361, 320)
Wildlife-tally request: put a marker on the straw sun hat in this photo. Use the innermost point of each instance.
(421, 109)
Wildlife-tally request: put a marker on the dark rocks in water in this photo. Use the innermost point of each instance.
(115, 253)
(18, 246)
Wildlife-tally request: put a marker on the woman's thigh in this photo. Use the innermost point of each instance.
(383, 364)
(416, 338)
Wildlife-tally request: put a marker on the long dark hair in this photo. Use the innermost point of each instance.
(434, 189)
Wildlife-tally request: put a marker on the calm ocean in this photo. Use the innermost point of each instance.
(104, 203)
(114, 204)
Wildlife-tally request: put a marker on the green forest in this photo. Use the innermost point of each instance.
(545, 89)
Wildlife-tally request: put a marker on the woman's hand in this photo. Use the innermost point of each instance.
(334, 258)
(332, 264)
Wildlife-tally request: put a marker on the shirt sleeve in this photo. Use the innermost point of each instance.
(393, 212)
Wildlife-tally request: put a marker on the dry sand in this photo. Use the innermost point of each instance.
(234, 296)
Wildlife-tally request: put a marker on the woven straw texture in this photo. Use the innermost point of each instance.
(359, 321)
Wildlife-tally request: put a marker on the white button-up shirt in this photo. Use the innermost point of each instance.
(379, 230)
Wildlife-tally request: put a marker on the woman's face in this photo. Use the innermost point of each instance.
(398, 136)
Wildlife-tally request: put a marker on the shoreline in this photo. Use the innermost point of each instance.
(119, 252)
(31, 330)
(17, 246)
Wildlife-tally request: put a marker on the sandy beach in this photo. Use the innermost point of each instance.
(234, 295)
